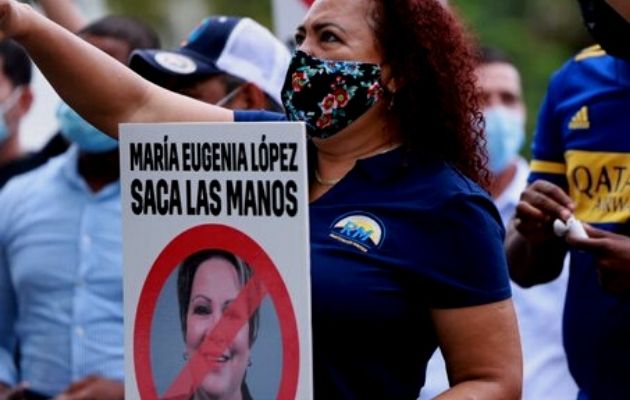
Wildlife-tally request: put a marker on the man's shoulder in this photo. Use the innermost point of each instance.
(590, 65)
(591, 52)
(16, 167)
(590, 74)
(35, 178)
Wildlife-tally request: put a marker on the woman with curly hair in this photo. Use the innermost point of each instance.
(406, 246)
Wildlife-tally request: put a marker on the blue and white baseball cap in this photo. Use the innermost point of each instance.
(237, 46)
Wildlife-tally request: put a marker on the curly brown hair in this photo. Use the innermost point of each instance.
(433, 62)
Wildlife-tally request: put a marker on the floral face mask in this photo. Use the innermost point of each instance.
(329, 95)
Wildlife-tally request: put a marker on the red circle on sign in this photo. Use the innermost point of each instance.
(229, 239)
(308, 2)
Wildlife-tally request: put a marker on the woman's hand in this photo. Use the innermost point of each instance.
(13, 18)
(94, 388)
(12, 393)
(612, 254)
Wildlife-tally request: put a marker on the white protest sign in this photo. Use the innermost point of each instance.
(216, 256)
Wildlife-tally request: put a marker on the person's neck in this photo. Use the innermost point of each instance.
(99, 169)
(501, 181)
(10, 150)
(337, 155)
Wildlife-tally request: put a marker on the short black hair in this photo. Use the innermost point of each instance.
(130, 30)
(492, 55)
(16, 65)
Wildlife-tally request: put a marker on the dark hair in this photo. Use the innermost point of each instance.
(16, 64)
(492, 55)
(437, 103)
(186, 275)
(128, 29)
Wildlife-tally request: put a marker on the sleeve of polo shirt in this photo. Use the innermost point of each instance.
(548, 161)
(8, 308)
(258, 116)
(468, 265)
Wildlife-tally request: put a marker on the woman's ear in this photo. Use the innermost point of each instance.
(389, 82)
(25, 101)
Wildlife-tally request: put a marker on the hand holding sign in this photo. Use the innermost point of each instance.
(94, 388)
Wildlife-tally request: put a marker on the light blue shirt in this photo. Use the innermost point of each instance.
(60, 278)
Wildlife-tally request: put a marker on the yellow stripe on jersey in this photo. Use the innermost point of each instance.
(599, 183)
(589, 52)
(589, 49)
(547, 167)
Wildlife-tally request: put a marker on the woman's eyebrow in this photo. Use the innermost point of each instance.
(202, 297)
(320, 26)
(323, 25)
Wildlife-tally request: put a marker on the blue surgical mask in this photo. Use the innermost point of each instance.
(77, 130)
(5, 106)
(4, 130)
(505, 134)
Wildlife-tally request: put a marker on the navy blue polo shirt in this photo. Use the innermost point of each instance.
(394, 238)
(582, 143)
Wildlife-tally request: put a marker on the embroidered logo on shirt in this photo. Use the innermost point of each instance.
(580, 120)
(361, 230)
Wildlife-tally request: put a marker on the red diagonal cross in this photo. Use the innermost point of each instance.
(235, 316)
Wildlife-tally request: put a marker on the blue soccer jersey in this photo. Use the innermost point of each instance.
(582, 143)
(394, 238)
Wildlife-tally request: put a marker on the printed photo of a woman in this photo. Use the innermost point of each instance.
(208, 282)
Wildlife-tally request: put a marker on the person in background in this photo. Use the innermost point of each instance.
(546, 375)
(68, 15)
(16, 99)
(61, 256)
(64, 12)
(581, 153)
(387, 92)
(230, 61)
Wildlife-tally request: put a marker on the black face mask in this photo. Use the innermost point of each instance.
(607, 27)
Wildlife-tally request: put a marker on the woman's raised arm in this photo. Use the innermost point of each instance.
(98, 87)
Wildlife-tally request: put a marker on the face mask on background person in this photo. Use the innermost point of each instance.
(77, 130)
(609, 28)
(329, 95)
(505, 134)
(5, 106)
